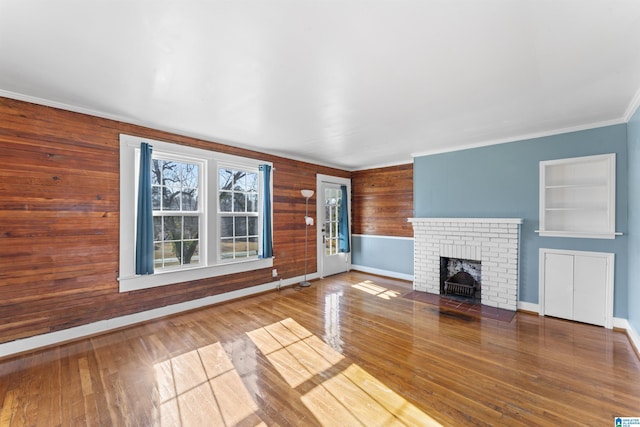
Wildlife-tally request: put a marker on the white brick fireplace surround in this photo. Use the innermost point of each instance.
(495, 242)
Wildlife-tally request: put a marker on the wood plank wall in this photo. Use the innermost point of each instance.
(59, 221)
(382, 201)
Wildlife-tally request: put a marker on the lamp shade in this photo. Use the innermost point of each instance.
(306, 193)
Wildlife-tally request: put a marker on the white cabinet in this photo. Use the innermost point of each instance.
(577, 197)
(577, 285)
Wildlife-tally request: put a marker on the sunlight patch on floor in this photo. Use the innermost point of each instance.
(296, 354)
(371, 288)
(202, 387)
(350, 396)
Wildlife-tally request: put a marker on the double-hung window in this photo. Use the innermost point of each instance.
(207, 214)
(177, 215)
(238, 212)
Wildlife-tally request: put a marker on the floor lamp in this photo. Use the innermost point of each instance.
(307, 222)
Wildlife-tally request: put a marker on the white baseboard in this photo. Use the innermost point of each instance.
(44, 340)
(631, 333)
(379, 272)
(528, 306)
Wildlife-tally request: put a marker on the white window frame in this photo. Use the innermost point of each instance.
(210, 265)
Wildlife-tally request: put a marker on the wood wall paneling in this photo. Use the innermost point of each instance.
(382, 201)
(59, 221)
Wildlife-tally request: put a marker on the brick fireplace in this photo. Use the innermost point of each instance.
(495, 242)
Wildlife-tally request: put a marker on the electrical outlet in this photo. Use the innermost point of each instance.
(274, 272)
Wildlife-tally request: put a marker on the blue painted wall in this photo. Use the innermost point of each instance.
(383, 253)
(502, 181)
(633, 137)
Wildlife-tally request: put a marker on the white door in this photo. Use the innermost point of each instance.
(329, 200)
(558, 285)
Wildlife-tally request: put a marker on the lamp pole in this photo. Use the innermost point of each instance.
(307, 222)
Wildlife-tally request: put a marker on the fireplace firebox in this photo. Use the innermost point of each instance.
(461, 278)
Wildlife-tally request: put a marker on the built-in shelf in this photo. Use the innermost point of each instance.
(577, 197)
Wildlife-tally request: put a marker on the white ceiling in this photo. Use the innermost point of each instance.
(348, 83)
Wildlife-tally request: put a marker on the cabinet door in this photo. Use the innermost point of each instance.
(589, 289)
(558, 285)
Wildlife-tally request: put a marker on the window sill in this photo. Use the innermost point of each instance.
(137, 282)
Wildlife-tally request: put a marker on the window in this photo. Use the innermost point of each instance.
(207, 214)
(176, 214)
(238, 213)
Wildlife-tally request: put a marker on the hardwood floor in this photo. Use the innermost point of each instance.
(349, 350)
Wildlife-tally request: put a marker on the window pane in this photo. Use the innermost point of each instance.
(241, 226)
(251, 182)
(190, 175)
(170, 173)
(226, 248)
(253, 226)
(157, 228)
(252, 202)
(239, 202)
(158, 258)
(170, 198)
(165, 255)
(241, 248)
(190, 199)
(238, 181)
(156, 172)
(226, 226)
(253, 246)
(191, 227)
(189, 251)
(225, 201)
(155, 198)
(172, 252)
(225, 179)
(173, 227)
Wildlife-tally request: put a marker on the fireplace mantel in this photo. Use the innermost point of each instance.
(493, 241)
(471, 220)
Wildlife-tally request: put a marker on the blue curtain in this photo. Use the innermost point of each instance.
(266, 251)
(144, 221)
(343, 225)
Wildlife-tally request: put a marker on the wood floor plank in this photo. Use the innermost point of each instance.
(349, 350)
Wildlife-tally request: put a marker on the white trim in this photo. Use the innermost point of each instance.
(528, 306)
(378, 236)
(385, 165)
(610, 259)
(379, 272)
(58, 337)
(634, 338)
(484, 220)
(524, 137)
(633, 107)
